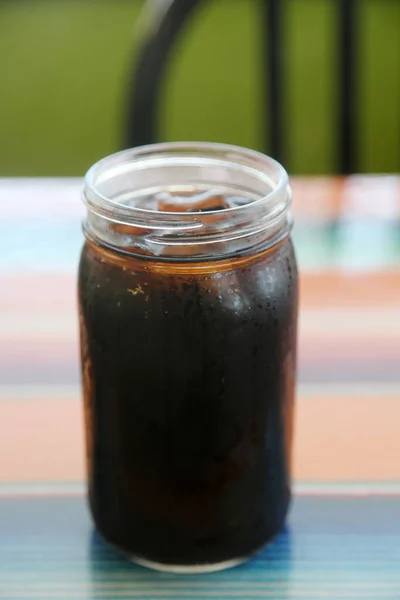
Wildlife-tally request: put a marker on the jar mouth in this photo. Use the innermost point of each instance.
(115, 186)
(183, 153)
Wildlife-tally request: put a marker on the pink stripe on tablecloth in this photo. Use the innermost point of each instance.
(56, 292)
(342, 438)
(38, 293)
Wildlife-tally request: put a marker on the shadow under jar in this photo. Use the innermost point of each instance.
(188, 316)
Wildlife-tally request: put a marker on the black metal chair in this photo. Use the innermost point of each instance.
(168, 23)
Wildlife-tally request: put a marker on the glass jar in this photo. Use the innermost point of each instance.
(188, 315)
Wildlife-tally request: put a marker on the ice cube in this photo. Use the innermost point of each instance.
(205, 201)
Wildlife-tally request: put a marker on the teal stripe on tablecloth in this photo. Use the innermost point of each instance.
(40, 225)
(54, 245)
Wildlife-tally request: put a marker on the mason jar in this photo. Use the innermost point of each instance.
(188, 315)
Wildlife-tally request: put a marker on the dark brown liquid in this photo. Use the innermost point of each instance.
(188, 373)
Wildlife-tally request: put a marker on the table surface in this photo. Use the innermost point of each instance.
(342, 539)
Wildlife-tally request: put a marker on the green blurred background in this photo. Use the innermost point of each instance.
(65, 64)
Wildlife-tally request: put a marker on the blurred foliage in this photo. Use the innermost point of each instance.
(65, 64)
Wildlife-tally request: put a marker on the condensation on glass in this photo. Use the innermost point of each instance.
(188, 314)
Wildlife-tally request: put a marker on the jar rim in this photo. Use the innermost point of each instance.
(141, 152)
(115, 182)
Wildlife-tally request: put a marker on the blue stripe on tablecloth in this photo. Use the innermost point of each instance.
(332, 548)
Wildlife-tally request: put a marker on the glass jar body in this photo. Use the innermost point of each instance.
(188, 374)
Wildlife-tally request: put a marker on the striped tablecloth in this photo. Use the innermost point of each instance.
(343, 535)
